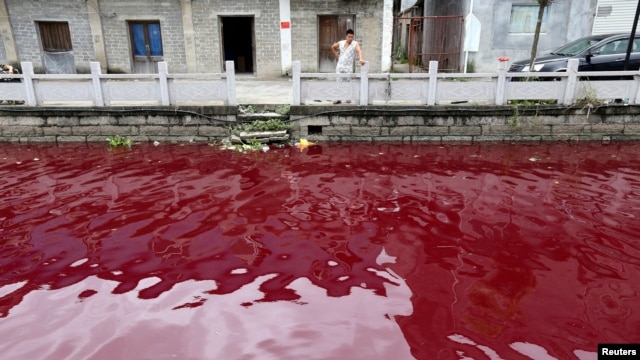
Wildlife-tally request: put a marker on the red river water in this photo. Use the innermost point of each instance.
(334, 251)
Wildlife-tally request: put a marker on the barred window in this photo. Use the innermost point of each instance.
(524, 18)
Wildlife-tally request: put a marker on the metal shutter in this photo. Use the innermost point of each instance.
(614, 16)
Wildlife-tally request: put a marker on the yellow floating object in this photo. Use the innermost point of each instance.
(305, 143)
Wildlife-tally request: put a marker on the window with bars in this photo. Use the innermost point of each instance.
(524, 18)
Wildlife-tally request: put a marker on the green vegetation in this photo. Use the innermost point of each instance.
(401, 55)
(118, 141)
(258, 131)
(251, 145)
(515, 120)
(471, 66)
(588, 96)
(261, 125)
(283, 109)
(527, 103)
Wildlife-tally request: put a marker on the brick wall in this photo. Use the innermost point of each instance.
(460, 124)
(24, 15)
(3, 54)
(304, 29)
(329, 124)
(266, 17)
(116, 31)
(206, 21)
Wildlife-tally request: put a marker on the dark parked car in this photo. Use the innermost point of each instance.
(596, 53)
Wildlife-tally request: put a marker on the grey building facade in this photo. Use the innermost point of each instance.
(565, 20)
(195, 36)
(264, 37)
(505, 27)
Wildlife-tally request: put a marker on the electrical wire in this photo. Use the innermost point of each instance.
(176, 111)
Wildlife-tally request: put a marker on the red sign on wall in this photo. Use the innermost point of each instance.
(285, 25)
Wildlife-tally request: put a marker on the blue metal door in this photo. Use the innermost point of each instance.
(146, 43)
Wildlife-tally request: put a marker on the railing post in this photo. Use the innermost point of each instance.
(636, 77)
(27, 77)
(231, 83)
(503, 66)
(364, 84)
(164, 86)
(98, 100)
(572, 81)
(296, 82)
(433, 81)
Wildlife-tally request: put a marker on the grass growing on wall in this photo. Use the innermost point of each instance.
(261, 125)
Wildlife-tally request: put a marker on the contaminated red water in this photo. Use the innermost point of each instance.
(335, 251)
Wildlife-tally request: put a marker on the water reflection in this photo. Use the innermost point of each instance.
(427, 252)
(190, 322)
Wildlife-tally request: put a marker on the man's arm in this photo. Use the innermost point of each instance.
(334, 48)
(359, 51)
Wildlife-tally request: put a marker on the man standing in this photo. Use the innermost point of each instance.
(345, 51)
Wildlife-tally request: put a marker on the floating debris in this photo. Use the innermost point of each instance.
(304, 143)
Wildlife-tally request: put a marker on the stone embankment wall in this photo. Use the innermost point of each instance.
(327, 123)
(472, 124)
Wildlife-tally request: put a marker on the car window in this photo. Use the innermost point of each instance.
(610, 48)
(635, 47)
(622, 46)
(605, 49)
(575, 47)
(618, 47)
(613, 47)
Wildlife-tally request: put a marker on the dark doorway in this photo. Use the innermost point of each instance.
(238, 43)
(332, 28)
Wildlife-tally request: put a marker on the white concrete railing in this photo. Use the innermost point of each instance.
(164, 89)
(97, 89)
(444, 88)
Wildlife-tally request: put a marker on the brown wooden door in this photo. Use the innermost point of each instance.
(57, 50)
(332, 28)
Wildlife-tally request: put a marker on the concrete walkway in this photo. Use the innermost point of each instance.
(251, 90)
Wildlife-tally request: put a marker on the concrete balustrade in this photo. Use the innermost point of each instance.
(98, 89)
(417, 107)
(436, 88)
(360, 88)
